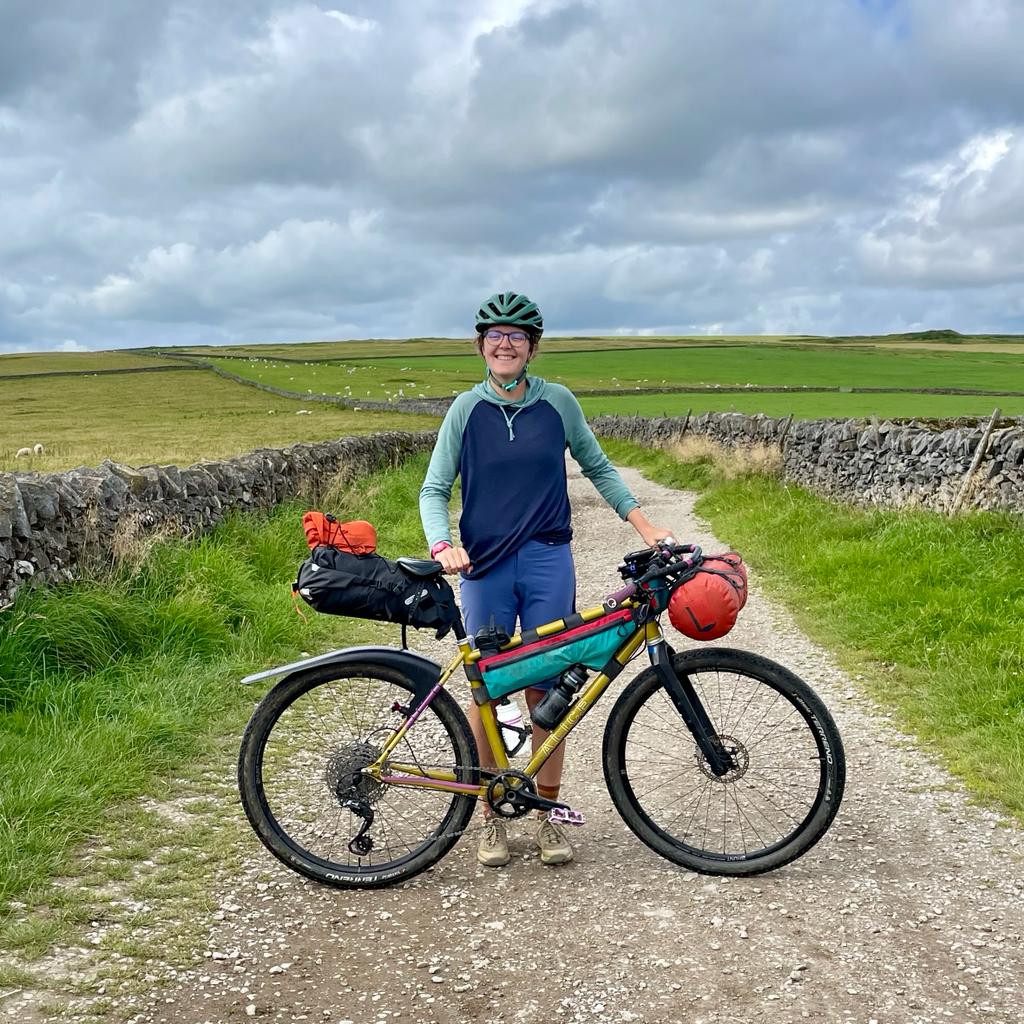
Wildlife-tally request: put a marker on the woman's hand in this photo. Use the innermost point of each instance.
(649, 533)
(454, 560)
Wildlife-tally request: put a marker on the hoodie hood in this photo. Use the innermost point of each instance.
(535, 388)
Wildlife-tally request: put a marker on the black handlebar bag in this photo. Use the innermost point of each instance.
(370, 586)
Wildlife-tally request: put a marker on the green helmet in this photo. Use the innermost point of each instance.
(510, 308)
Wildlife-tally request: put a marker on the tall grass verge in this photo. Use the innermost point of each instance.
(107, 684)
(930, 610)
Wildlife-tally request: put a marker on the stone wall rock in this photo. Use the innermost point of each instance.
(867, 462)
(54, 524)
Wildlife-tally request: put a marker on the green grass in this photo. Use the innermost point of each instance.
(176, 418)
(650, 368)
(805, 406)
(929, 609)
(109, 684)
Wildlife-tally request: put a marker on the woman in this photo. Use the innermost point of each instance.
(506, 438)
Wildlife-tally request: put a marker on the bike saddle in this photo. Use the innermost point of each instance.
(419, 566)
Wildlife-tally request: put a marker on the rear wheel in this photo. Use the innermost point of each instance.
(774, 804)
(299, 773)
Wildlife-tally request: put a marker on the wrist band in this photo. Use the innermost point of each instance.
(438, 547)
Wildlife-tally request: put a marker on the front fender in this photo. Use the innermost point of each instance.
(421, 671)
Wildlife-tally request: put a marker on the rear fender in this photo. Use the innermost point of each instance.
(421, 671)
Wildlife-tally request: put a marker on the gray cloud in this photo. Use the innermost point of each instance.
(270, 170)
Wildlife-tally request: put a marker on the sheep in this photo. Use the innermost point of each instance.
(23, 453)
(38, 448)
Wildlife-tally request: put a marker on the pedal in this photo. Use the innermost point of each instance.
(566, 816)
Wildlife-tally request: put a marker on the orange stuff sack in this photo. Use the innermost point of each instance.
(356, 536)
(704, 607)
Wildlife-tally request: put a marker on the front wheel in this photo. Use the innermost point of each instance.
(299, 775)
(778, 798)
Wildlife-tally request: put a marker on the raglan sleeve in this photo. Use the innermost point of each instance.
(436, 492)
(584, 448)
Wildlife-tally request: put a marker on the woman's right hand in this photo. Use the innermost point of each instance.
(454, 560)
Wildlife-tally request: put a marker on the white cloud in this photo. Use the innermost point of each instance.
(352, 22)
(286, 169)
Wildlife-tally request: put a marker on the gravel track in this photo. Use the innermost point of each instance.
(908, 911)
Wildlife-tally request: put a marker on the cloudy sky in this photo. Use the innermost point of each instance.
(179, 171)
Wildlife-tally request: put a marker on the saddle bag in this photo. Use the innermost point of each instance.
(369, 586)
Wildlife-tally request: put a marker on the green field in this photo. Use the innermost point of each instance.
(316, 351)
(81, 362)
(653, 368)
(187, 416)
(401, 348)
(174, 417)
(829, 405)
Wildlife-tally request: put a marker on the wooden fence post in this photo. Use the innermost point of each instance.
(785, 431)
(976, 462)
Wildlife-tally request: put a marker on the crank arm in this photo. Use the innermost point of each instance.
(535, 802)
(691, 710)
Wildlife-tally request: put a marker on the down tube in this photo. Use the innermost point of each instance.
(583, 704)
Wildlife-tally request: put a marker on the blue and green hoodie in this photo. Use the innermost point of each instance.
(511, 458)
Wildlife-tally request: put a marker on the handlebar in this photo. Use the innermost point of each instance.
(666, 558)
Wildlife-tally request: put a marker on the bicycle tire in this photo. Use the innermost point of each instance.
(300, 756)
(778, 728)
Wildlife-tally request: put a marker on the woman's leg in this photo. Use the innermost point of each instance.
(490, 599)
(549, 778)
(546, 583)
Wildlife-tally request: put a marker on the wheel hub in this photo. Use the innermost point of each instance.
(736, 751)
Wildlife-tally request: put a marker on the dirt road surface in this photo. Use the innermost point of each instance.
(909, 911)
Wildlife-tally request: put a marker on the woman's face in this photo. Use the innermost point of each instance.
(507, 356)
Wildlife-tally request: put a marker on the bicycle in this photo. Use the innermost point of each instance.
(359, 770)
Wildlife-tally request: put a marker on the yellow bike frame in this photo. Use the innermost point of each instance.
(397, 773)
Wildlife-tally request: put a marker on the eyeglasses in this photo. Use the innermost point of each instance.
(515, 337)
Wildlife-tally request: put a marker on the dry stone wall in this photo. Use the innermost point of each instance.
(53, 524)
(876, 463)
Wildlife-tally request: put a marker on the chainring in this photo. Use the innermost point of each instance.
(499, 793)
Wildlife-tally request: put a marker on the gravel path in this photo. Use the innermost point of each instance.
(909, 910)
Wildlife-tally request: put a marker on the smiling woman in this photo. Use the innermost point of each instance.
(506, 438)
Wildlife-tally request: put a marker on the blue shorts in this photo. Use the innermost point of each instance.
(536, 584)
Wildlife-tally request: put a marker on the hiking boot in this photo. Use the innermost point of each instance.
(493, 849)
(554, 846)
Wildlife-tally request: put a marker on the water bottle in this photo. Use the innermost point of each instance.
(553, 705)
(513, 730)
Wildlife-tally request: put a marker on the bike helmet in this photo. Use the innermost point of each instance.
(510, 308)
(705, 607)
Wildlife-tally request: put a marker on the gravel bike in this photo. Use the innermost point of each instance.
(359, 769)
